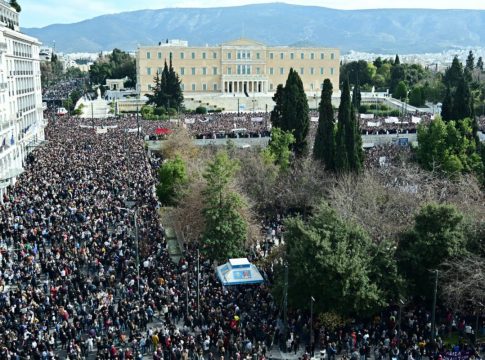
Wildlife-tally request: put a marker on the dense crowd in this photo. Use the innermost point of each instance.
(70, 261)
(60, 90)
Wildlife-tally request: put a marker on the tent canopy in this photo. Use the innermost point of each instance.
(239, 272)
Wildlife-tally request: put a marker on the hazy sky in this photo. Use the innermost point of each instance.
(38, 13)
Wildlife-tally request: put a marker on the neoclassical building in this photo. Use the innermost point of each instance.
(241, 68)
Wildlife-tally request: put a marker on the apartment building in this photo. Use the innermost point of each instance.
(21, 113)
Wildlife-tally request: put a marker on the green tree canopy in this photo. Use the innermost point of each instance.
(172, 177)
(324, 147)
(401, 91)
(225, 228)
(278, 150)
(437, 236)
(336, 263)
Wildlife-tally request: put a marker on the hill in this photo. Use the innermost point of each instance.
(381, 31)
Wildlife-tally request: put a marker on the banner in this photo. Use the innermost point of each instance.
(460, 355)
(391, 120)
(101, 131)
(204, 120)
(257, 119)
(239, 118)
(373, 123)
(314, 119)
(190, 121)
(366, 116)
(415, 120)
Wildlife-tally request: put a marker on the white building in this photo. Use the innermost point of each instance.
(21, 115)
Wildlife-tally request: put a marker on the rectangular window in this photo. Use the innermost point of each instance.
(193, 87)
(271, 86)
(258, 56)
(239, 55)
(193, 71)
(331, 71)
(312, 56)
(204, 55)
(282, 71)
(271, 56)
(149, 71)
(214, 71)
(302, 56)
(229, 56)
(214, 55)
(332, 56)
(182, 86)
(149, 55)
(282, 56)
(204, 87)
(182, 71)
(258, 71)
(292, 56)
(229, 71)
(159, 55)
(204, 71)
(271, 71)
(215, 87)
(321, 71)
(322, 56)
(311, 86)
(312, 71)
(159, 70)
(193, 55)
(182, 55)
(302, 71)
(149, 87)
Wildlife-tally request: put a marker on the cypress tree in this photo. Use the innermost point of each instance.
(396, 60)
(276, 114)
(462, 102)
(174, 87)
(470, 61)
(324, 147)
(295, 112)
(356, 157)
(341, 156)
(356, 97)
(447, 106)
(480, 63)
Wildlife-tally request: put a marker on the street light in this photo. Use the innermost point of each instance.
(135, 219)
(312, 300)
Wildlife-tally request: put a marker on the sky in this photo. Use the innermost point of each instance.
(39, 13)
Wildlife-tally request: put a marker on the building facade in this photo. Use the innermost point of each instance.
(21, 114)
(238, 68)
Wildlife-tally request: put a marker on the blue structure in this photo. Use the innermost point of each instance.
(239, 272)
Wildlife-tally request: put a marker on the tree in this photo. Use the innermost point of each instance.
(397, 61)
(225, 228)
(401, 91)
(436, 237)
(324, 147)
(336, 260)
(470, 61)
(462, 101)
(480, 63)
(453, 74)
(174, 87)
(295, 117)
(463, 283)
(15, 5)
(349, 155)
(397, 75)
(449, 147)
(119, 64)
(276, 117)
(356, 97)
(278, 150)
(416, 96)
(172, 177)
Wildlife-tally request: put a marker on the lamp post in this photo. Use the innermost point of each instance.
(433, 313)
(198, 283)
(238, 107)
(312, 300)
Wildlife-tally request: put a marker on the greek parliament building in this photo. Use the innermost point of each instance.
(21, 112)
(244, 69)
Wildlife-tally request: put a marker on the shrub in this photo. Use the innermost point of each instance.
(201, 110)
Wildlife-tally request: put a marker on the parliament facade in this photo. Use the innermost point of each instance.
(237, 68)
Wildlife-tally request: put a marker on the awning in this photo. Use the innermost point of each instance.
(239, 272)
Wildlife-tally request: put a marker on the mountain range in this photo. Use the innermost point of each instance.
(385, 31)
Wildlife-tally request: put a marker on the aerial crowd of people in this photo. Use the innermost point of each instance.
(85, 272)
